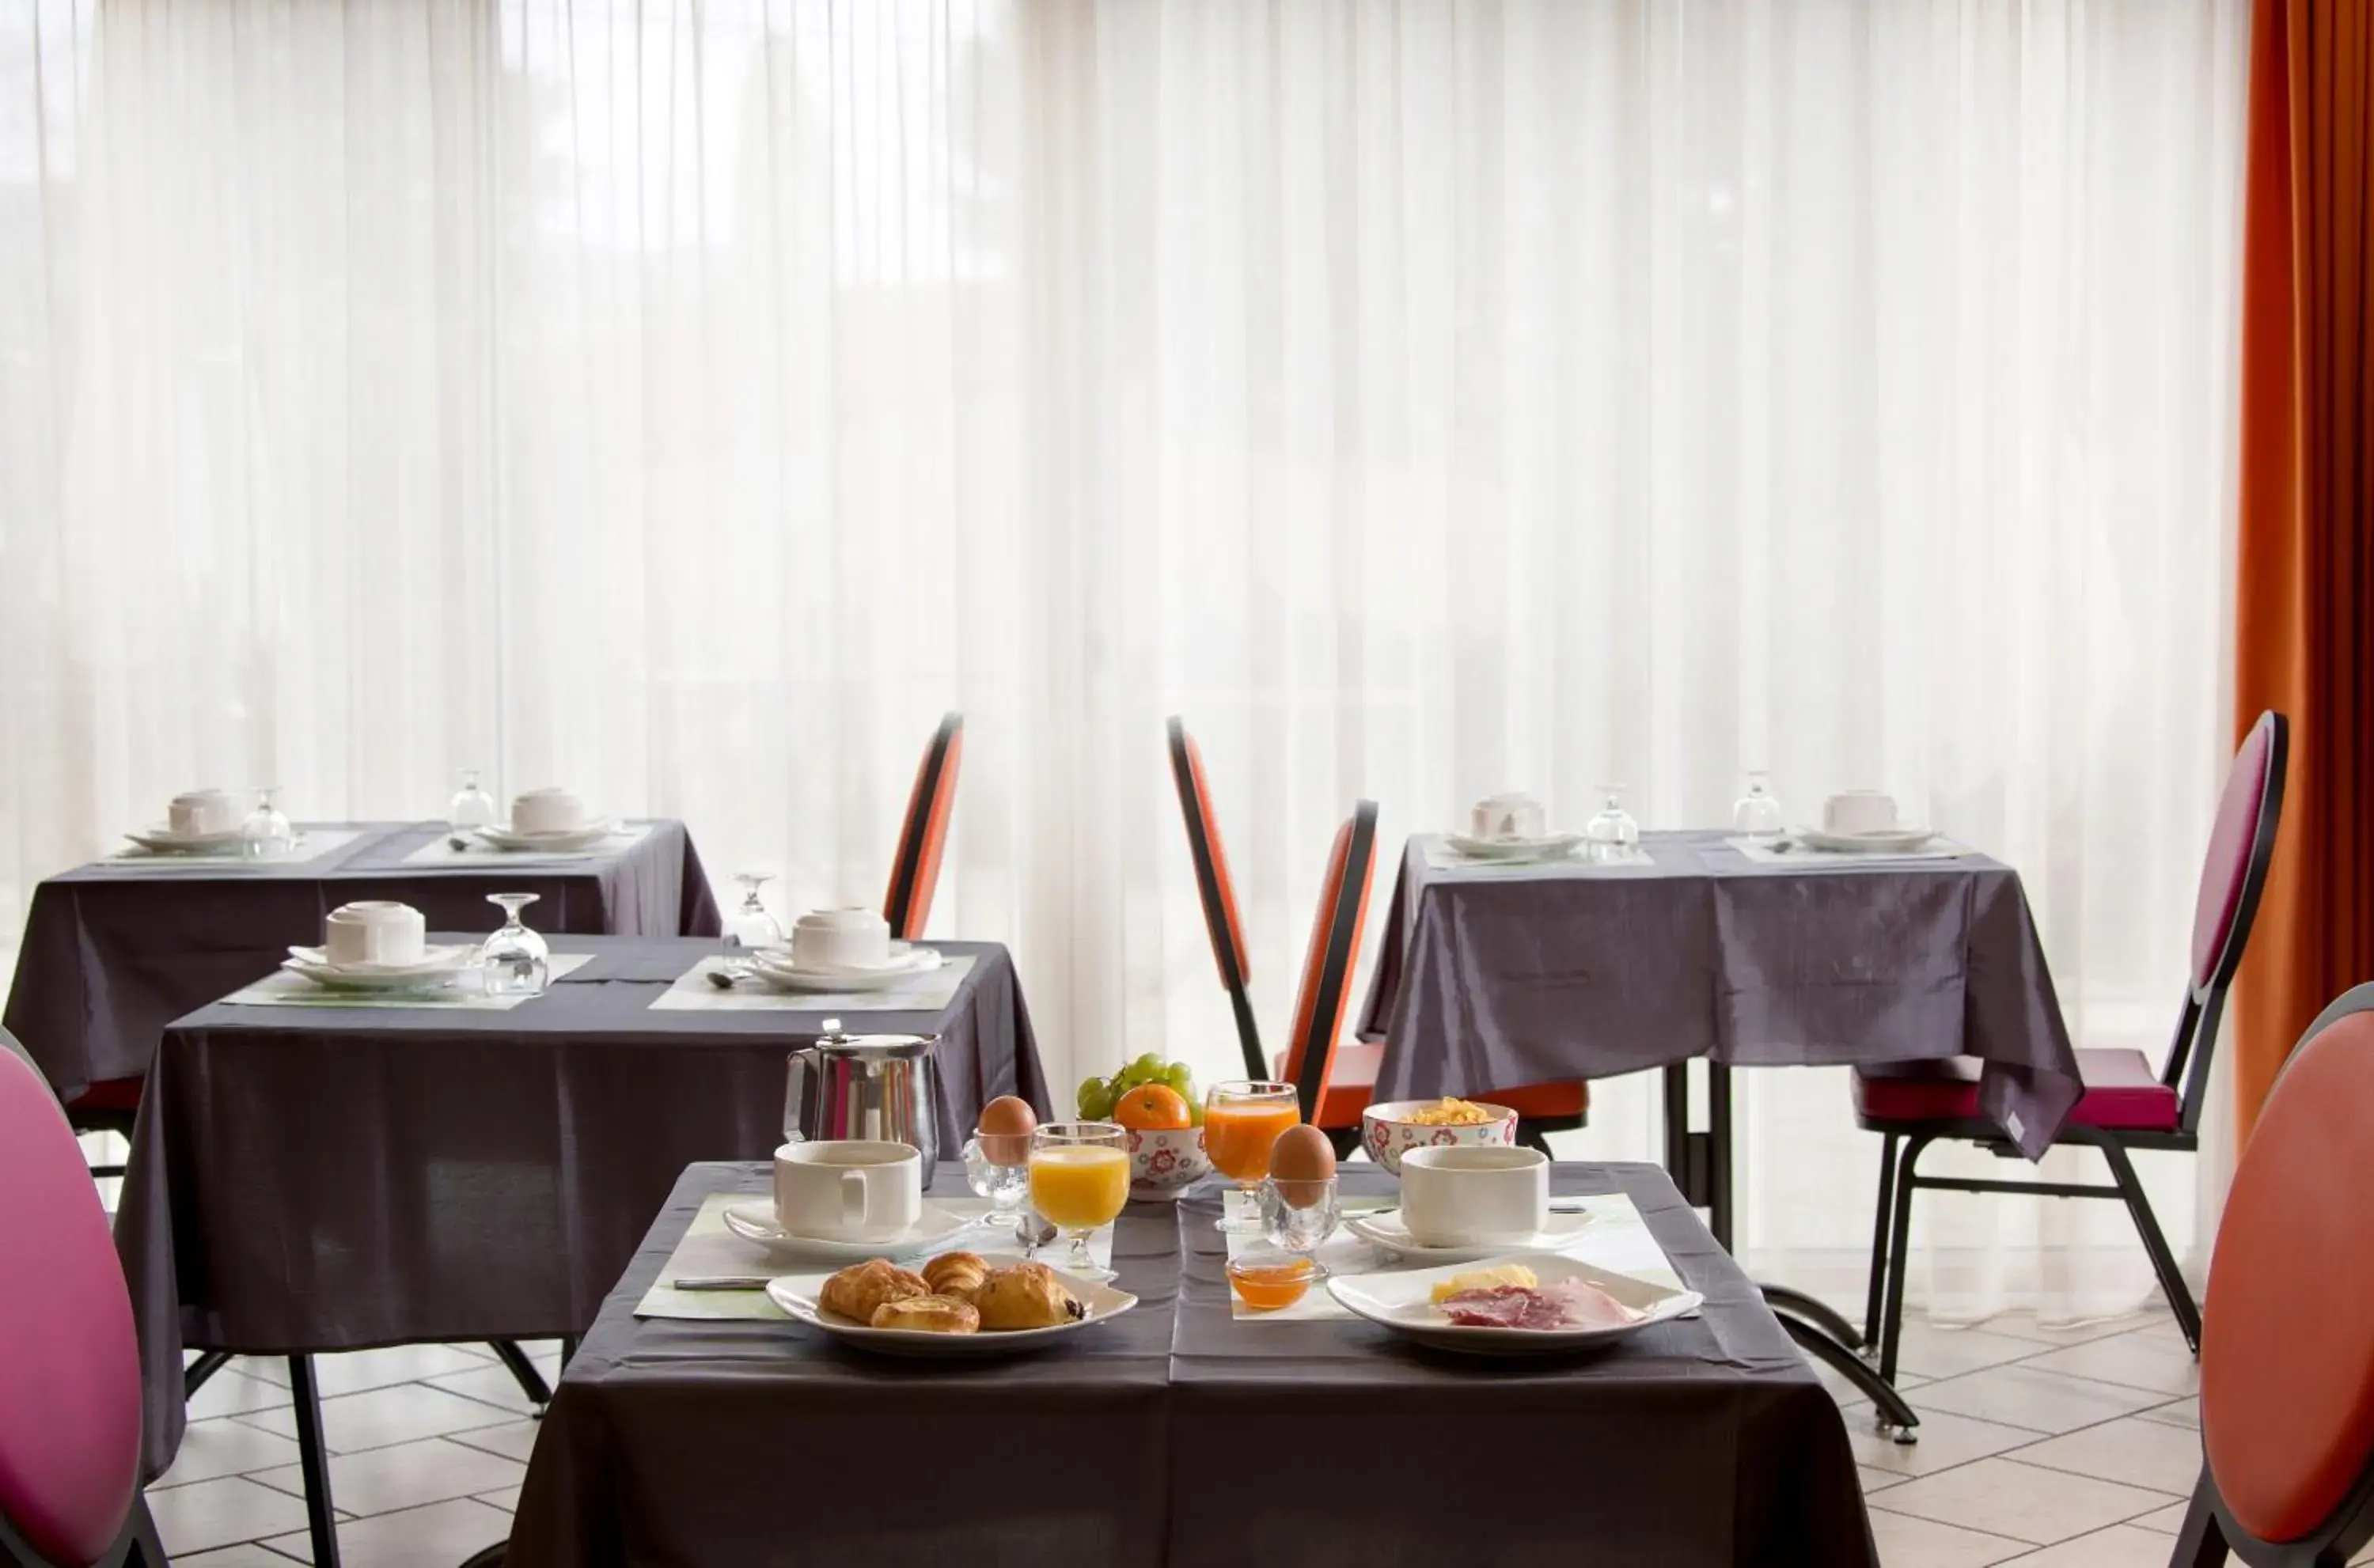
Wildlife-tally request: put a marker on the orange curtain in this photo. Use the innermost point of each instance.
(2304, 569)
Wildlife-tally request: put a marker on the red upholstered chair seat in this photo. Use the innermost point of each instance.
(2121, 1092)
(114, 1094)
(1352, 1083)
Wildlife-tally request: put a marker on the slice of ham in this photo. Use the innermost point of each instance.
(1562, 1303)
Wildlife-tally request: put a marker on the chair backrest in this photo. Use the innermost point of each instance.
(1215, 889)
(915, 872)
(69, 1363)
(2233, 874)
(1321, 1000)
(2287, 1343)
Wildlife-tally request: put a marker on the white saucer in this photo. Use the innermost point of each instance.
(1399, 1302)
(583, 836)
(756, 1222)
(1548, 848)
(1890, 840)
(437, 966)
(1386, 1230)
(165, 841)
(780, 976)
(1102, 1303)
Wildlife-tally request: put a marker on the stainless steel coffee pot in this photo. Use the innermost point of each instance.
(869, 1086)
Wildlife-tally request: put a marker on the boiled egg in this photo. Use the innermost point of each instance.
(1005, 1130)
(1302, 1162)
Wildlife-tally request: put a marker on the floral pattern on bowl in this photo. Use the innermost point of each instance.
(1165, 1164)
(1387, 1138)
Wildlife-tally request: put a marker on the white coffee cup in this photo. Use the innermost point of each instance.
(1859, 811)
(376, 932)
(849, 1189)
(1475, 1194)
(550, 809)
(840, 939)
(202, 811)
(1514, 815)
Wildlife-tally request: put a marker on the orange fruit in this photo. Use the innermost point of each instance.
(1152, 1107)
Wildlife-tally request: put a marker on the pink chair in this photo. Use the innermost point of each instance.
(69, 1363)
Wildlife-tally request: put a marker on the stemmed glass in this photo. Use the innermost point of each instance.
(1612, 835)
(515, 961)
(1080, 1180)
(1240, 1122)
(471, 806)
(265, 834)
(751, 926)
(1758, 814)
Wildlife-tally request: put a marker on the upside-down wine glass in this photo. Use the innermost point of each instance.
(751, 925)
(1612, 835)
(515, 961)
(1756, 813)
(265, 835)
(471, 806)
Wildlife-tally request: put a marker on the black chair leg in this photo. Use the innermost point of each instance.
(1899, 1245)
(144, 1549)
(195, 1375)
(1821, 1313)
(2200, 1543)
(1877, 1287)
(1530, 1136)
(523, 1370)
(313, 1461)
(1896, 1417)
(2180, 1295)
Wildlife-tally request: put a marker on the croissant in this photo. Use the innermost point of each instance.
(928, 1314)
(1028, 1296)
(958, 1274)
(859, 1290)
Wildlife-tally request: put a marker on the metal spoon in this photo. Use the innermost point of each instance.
(1032, 1239)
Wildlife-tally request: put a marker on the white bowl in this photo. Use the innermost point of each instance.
(1164, 1162)
(1387, 1137)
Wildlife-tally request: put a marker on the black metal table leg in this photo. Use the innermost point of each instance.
(195, 1375)
(314, 1460)
(523, 1370)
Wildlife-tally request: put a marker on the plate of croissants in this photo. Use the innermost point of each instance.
(957, 1304)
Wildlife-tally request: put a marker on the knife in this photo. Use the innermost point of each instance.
(718, 1282)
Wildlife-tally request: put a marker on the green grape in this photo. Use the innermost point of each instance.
(1093, 1094)
(1179, 1076)
(1194, 1111)
(1146, 1069)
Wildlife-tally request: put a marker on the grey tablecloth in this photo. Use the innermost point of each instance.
(311, 1178)
(1496, 976)
(1183, 1436)
(113, 952)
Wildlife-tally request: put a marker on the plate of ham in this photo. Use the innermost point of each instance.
(1521, 1303)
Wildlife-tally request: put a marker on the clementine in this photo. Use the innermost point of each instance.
(1152, 1107)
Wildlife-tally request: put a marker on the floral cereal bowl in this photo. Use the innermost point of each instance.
(1392, 1128)
(1164, 1164)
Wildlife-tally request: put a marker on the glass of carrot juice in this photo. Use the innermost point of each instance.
(1240, 1122)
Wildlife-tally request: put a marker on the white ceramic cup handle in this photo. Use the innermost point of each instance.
(853, 1197)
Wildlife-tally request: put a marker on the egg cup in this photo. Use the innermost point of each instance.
(1297, 1216)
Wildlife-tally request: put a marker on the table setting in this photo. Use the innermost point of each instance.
(841, 959)
(1591, 1331)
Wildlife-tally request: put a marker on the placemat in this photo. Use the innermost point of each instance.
(440, 851)
(708, 1249)
(1617, 1239)
(314, 843)
(283, 988)
(693, 992)
(1766, 852)
(1442, 856)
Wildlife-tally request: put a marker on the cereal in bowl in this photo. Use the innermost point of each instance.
(1450, 1112)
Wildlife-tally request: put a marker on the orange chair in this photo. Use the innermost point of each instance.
(1218, 894)
(2287, 1351)
(1334, 1082)
(915, 872)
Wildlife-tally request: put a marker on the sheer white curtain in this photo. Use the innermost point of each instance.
(689, 401)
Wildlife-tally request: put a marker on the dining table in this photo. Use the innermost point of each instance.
(1736, 949)
(316, 1171)
(1185, 1434)
(116, 949)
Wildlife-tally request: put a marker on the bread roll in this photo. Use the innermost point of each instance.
(928, 1314)
(1028, 1296)
(958, 1274)
(858, 1291)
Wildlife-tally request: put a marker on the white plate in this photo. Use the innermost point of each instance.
(903, 956)
(1549, 847)
(585, 837)
(1398, 1302)
(1895, 839)
(1103, 1304)
(165, 841)
(442, 965)
(755, 1221)
(433, 960)
(1386, 1230)
(783, 977)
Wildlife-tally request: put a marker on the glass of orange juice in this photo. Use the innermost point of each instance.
(1079, 1181)
(1240, 1122)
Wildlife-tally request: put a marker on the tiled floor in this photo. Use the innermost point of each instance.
(2050, 1447)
